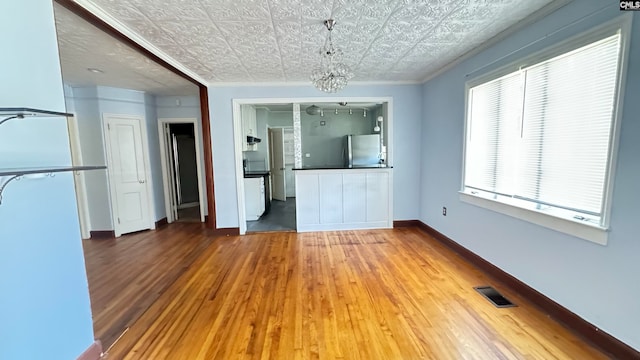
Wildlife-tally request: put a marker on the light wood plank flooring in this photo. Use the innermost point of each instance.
(384, 294)
(126, 275)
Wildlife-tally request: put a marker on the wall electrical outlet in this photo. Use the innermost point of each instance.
(444, 211)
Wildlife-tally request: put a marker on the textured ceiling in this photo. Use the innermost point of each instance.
(83, 46)
(278, 40)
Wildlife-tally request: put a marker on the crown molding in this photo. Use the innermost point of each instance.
(307, 83)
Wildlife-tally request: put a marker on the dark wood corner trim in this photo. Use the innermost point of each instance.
(590, 332)
(93, 352)
(162, 222)
(208, 157)
(102, 234)
(226, 232)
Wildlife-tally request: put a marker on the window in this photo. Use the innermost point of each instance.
(540, 138)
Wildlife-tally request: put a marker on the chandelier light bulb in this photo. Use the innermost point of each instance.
(332, 74)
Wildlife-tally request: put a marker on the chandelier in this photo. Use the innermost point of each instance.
(332, 74)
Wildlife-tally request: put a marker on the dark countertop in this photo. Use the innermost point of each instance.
(343, 168)
(255, 174)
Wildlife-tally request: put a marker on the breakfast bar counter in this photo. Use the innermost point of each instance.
(335, 198)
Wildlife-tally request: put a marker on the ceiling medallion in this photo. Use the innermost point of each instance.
(332, 74)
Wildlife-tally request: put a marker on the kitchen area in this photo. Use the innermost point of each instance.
(267, 167)
(317, 165)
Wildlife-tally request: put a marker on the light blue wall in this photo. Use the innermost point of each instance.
(151, 118)
(91, 103)
(178, 107)
(406, 161)
(599, 283)
(87, 111)
(44, 303)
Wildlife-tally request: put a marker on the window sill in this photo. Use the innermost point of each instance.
(590, 232)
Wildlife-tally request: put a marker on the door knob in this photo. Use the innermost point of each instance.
(141, 181)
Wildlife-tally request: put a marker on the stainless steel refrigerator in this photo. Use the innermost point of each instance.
(362, 150)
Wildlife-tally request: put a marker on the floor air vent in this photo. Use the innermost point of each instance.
(494, 296)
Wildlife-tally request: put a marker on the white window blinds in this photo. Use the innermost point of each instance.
(542, 134)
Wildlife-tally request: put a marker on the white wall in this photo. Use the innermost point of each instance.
(44, 304)
(598, 283)
(407, 112)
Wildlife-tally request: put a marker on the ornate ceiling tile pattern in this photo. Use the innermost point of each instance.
(278, 40)
(83, 46)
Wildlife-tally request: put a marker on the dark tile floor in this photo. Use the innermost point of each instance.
(281, 217)
(190, 214)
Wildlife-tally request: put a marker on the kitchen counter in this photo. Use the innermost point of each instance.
(344, 198)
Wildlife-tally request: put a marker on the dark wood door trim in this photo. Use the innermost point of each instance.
(208, 157)
(204, 97)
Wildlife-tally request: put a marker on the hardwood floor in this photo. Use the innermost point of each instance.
(384, 294)
(126, 275)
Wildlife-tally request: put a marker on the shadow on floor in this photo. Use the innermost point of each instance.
(281, 217)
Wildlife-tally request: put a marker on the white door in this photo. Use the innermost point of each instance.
(127, 174)
(289, 162)
(279, 186)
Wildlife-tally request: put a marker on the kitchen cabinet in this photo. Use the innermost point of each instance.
(249, 126)
(254, 197)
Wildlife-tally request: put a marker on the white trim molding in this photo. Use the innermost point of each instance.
(584, 231)
(238, 137)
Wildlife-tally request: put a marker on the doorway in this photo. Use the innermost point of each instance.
(280, 215)
(182, 170)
